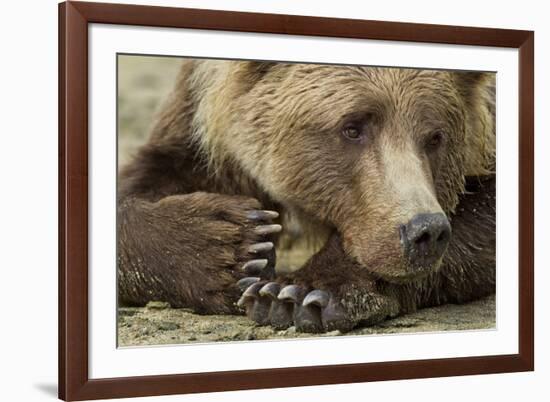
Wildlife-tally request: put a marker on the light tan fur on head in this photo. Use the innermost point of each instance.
(282, 125)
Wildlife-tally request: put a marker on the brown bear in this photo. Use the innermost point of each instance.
(391, 169)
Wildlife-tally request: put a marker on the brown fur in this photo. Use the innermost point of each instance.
(236, 136)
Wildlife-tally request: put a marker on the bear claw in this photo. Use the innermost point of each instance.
(316, 297)
(271, 290)
(264, 230)
(244, 283)
(260, 247)
(255, 267)
(313, 312)
(262, 251)
(257, 306)
(250, 294)
(262, 215)
(291, 293)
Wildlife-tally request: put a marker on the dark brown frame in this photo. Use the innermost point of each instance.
(74, 17)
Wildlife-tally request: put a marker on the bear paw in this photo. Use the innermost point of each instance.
(280, 306)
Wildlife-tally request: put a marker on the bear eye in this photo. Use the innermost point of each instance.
(352, 132)
(358, 127)
(435, 140)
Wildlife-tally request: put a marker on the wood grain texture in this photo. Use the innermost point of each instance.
(73, 202)
(526, 201)
(298, 25)
(74, 382)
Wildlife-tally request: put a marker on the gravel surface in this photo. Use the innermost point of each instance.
(159, 324)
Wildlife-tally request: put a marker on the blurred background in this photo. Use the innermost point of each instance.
(143, 84)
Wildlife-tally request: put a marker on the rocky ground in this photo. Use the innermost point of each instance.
(158, 324)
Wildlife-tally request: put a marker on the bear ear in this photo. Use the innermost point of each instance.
(249, 73)
(260, 67)
(470, 82)
(478, 90)
(253, 71)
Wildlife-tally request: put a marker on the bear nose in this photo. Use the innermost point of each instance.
(425, 239)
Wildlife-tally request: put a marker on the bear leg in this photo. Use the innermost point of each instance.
(190, 249)
(469, 267)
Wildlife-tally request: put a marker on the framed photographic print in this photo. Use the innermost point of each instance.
(260, 200)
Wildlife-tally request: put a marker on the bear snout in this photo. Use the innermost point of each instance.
(424, 240)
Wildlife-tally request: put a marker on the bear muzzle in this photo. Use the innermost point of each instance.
(424, 239)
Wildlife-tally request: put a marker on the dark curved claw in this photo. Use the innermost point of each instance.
(291, 293)
(316, 297)
(262, 215)
(257, 306)
(263, 252)
(244, 283)
(270, 290)
(250, 294)
(321, 312)
(260, 247)
(255, 267)
(330, 312)
(264, 230)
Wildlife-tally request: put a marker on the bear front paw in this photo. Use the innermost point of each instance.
(200, 243)
(281, 306)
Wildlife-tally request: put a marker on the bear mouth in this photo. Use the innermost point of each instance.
(403, 273)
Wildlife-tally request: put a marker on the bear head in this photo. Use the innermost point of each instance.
(380, 154)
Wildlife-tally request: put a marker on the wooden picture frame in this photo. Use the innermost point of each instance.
(74, 381)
